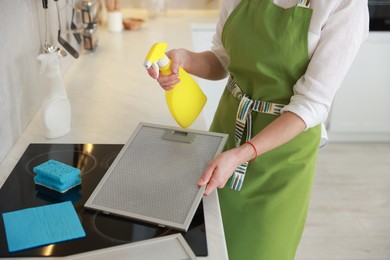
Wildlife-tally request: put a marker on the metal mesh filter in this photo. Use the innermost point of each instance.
(154, 178)
(165, 248)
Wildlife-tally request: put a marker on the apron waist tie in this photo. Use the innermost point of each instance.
(244, 118)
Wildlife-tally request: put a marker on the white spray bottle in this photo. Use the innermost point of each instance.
(55, 110)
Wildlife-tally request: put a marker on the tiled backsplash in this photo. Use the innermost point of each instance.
(22, 87)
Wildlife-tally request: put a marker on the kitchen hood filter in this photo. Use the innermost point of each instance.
(154, 177)
(164, 248)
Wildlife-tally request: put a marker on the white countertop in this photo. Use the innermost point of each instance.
(111, 93)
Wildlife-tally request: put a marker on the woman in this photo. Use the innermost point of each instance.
(285, 60)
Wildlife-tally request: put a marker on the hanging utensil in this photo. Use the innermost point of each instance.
(49, 48)
(73, 26)
(61, 40)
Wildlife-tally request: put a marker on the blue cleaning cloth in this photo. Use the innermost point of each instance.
(41, 226)
(57, 176)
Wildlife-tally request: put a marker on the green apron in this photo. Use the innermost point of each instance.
(268, 49)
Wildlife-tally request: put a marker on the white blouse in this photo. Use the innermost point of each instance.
(337, 29)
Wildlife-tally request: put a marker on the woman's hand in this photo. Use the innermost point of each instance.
(281, 130)
(222, 167)
(201, 64)
(177, 57)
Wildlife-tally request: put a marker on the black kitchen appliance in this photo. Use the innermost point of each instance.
(379, 15)
(102, 231)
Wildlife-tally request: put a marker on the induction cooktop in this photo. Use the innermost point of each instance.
(102, 231)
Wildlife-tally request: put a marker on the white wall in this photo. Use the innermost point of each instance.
(22, 88)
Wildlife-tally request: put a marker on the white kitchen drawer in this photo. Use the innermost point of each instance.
(202, 35)
(361, 107)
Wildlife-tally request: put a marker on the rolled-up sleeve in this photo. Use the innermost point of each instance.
(217, 47)
(338, 42)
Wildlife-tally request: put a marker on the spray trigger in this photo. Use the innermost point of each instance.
(156, 69)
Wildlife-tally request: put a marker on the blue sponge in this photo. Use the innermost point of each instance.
(57, 176)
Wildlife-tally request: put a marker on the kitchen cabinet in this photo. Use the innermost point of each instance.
(360, 108)
(202, 35)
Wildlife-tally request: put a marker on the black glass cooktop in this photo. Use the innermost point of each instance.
(102, 231)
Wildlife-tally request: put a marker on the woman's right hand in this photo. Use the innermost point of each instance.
(177, 57)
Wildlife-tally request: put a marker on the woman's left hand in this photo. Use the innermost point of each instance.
(219, 170)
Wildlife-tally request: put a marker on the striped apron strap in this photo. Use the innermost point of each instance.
(244, 119)
(304, 3)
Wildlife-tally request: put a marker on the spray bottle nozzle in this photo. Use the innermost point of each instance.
(157, 59)
(156, 53)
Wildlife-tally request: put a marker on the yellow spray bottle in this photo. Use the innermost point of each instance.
(186, 99)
